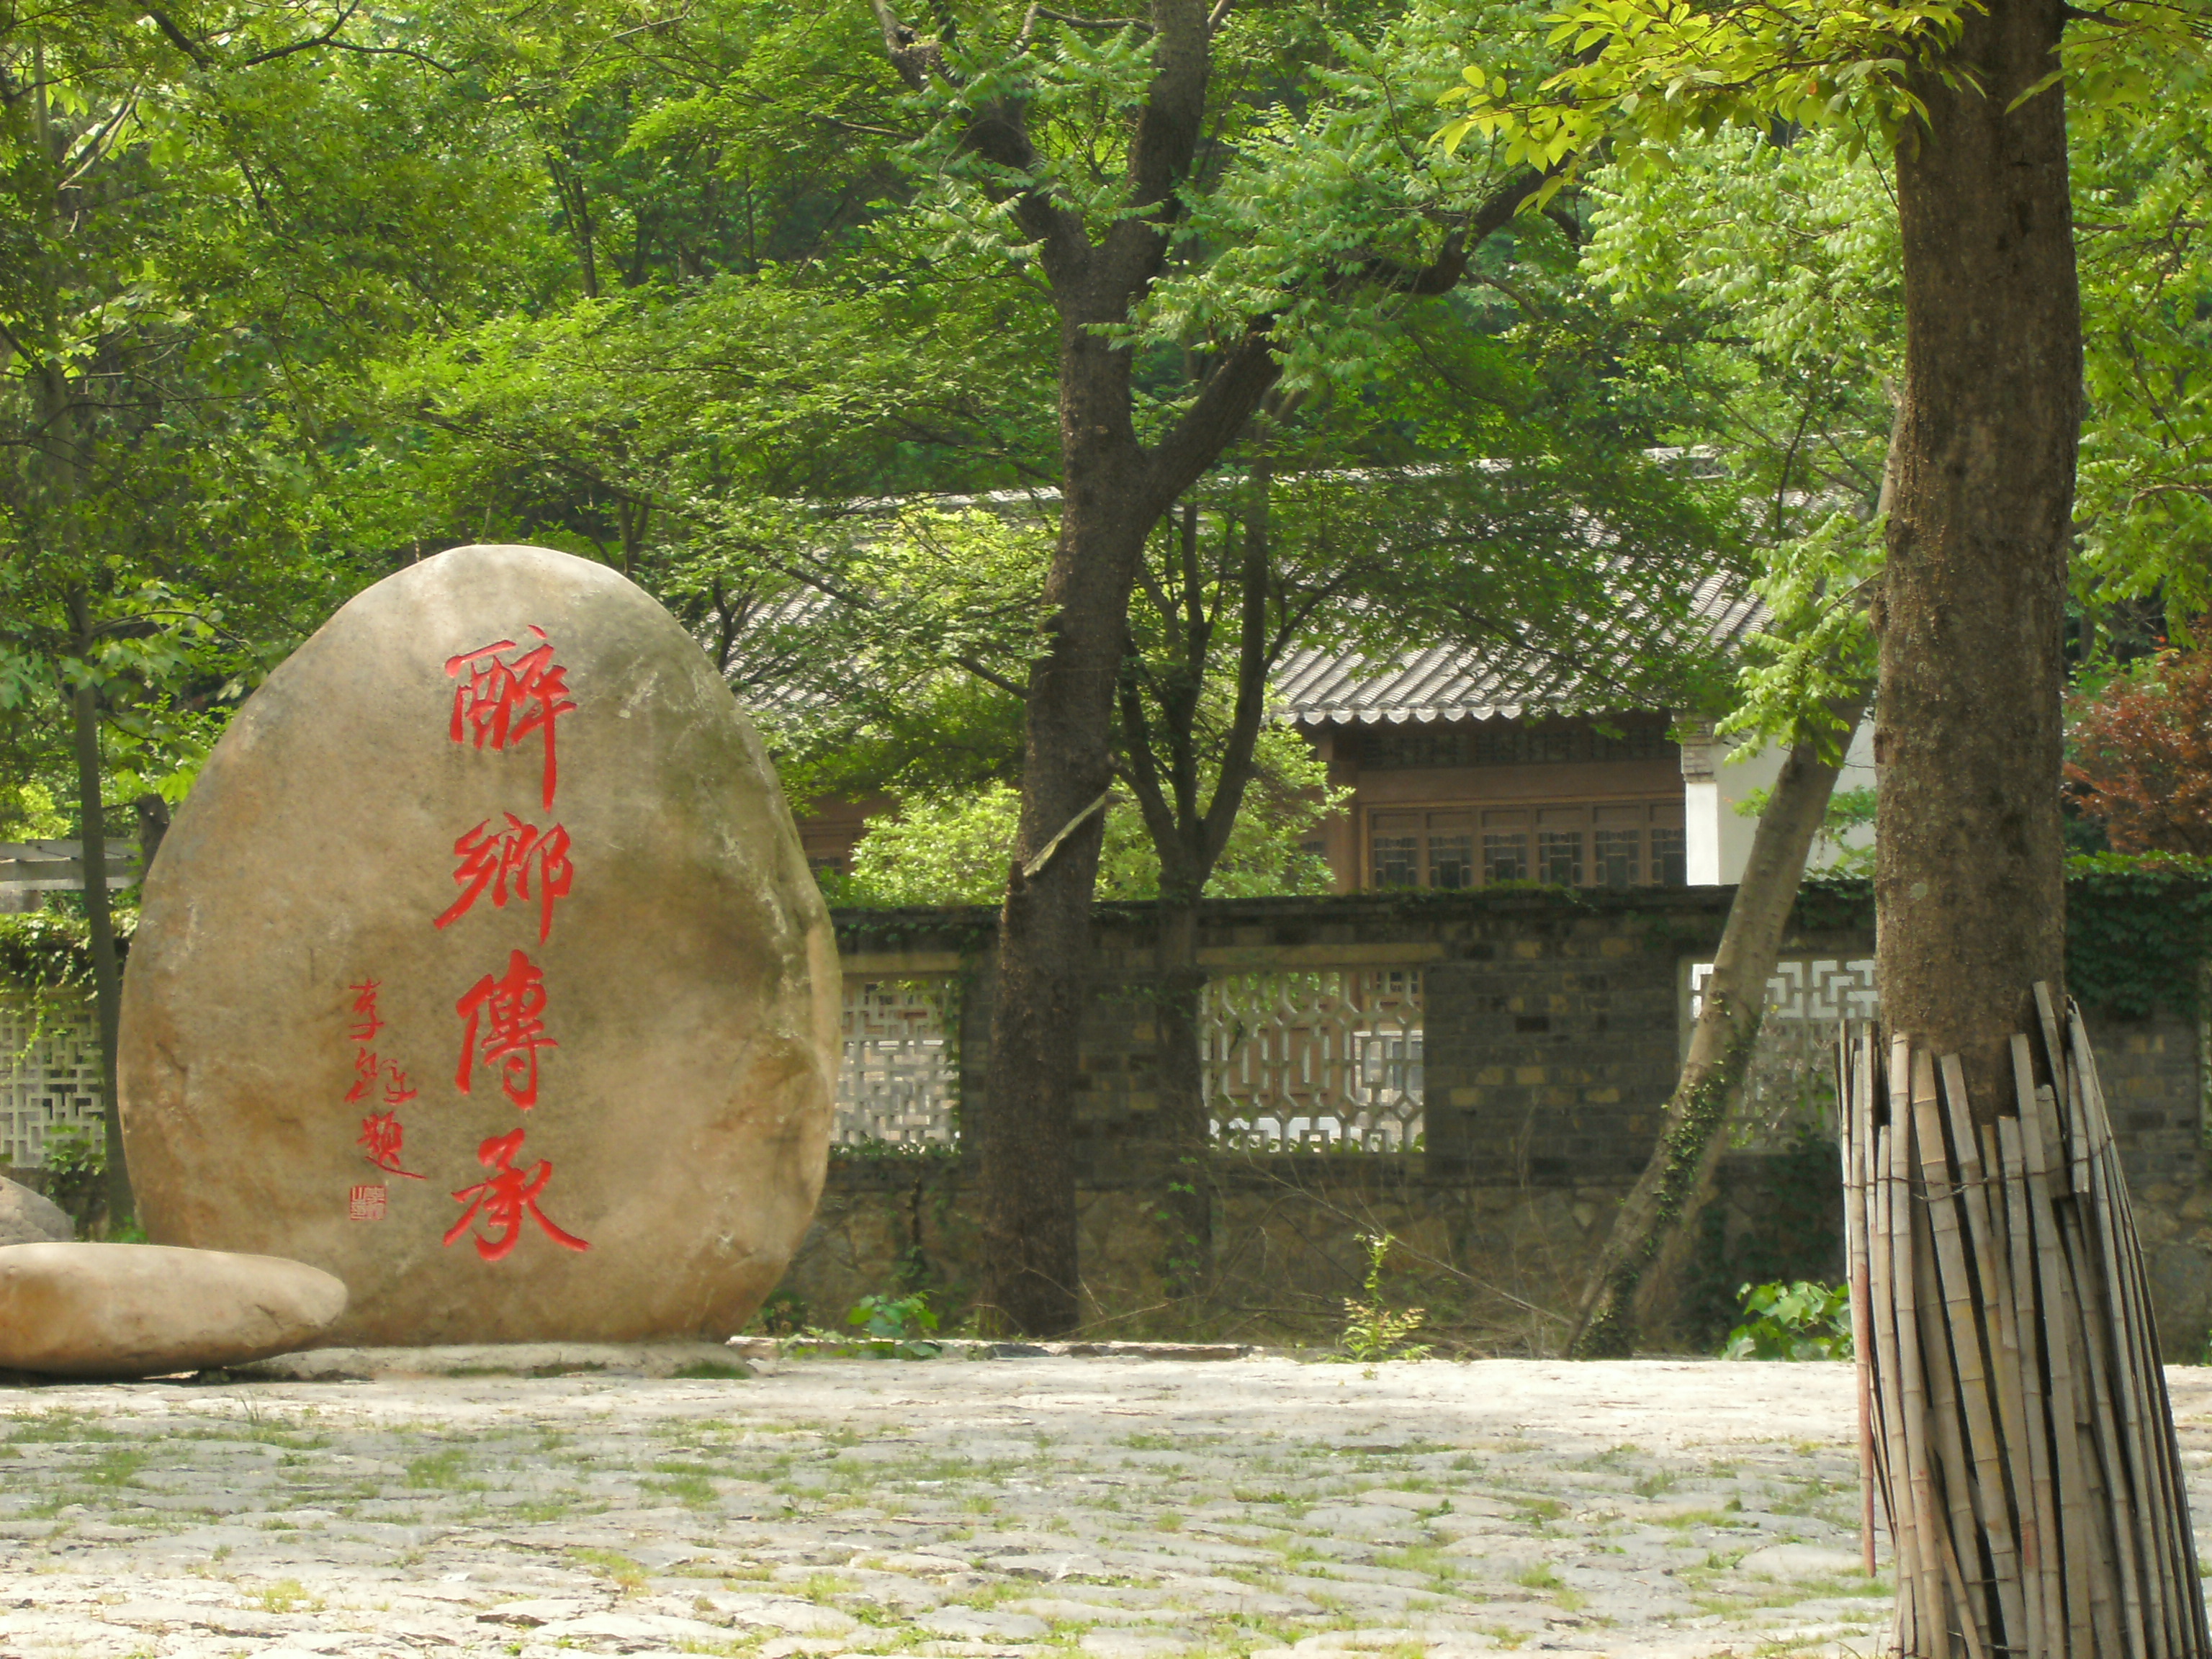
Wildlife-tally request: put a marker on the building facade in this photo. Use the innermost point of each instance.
(1459, 776)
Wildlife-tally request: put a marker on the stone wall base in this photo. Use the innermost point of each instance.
(1497, 1268)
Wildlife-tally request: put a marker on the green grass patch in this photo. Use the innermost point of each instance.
(626, 1574)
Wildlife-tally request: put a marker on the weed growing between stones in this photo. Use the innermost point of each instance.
(287, 1595)
(1372, 1331)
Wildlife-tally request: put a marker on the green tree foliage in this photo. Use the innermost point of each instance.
(1780, 262)
(952, 847)
(1803, 1320)
(187, 238)
(207, 230)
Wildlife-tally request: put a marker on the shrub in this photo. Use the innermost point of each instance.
(2141, 758)
(1800, 1321)
(897, 1327)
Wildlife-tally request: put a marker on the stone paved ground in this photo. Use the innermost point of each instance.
(1030, 1509)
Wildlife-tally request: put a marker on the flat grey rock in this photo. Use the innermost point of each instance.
(657, 1359)
(790, 1615)
(1120, 1641)
(972, 1625)
(629, 1632)
(32, 1218)
(128, 1310)
(529, 1614)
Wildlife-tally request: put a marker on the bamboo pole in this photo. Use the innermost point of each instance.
(2169, 1575)
(2104, 1409)
(1920, 1477)
(1854, 1094)
(2013, 1368)
(2033, 1376)
(1953, 1473)
(2141, 1558)
(2014, 1417)
(1948, 1197)
(1904, 1538)
(2085, 1594)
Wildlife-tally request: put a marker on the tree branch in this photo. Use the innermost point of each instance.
(1169, 126)
(1093, 22)
(1249, 368)
(1253, 661)
(915, 57)
(176, 36)
(308, 45)
(997, 132)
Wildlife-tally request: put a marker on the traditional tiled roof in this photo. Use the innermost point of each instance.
(1319, 686)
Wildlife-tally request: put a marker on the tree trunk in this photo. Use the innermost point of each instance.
(1186, 1203)
(1025, 1175)
(1969, 862)
(1632, 1287)
(1113, 492)
(99, 922)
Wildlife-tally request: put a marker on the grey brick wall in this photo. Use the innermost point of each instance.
(1553, 1033)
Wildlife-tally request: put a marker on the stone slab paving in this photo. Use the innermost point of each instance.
(1057, 1508)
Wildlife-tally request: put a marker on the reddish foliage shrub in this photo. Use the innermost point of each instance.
(2143, 756)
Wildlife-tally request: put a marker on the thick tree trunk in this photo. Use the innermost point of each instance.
(1969, 862)
(1186, 1200)
(1025, 1175)
(1114, 492)
(1630, 1288)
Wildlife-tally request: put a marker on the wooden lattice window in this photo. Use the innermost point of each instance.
(1625, 844)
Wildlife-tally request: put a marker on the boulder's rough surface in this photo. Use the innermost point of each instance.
(29, 1217)
(146, 1309)
(483, 968)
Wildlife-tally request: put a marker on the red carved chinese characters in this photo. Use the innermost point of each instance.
(381, 1139)
(505, 1027)
(366, 1069)
(499, 703)
(364, 1005)
(499, 1203)
(504, 693)
(517, 854)
(382, 1134)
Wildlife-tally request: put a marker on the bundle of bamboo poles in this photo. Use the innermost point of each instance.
(2013, 1416)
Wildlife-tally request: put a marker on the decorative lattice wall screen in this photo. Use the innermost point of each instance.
(897, 1084)
(49, 1073)
(1315, 1061)
(1792, 1087)
(1330, 1058)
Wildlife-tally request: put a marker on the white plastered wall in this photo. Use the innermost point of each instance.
(1716, 837)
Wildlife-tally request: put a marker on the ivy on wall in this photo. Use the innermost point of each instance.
(2138, 932)
(2138, 927)
(51, 950)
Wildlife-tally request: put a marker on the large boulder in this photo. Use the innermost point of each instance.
(30, 1217)
(145, 1311)
(483, 968)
